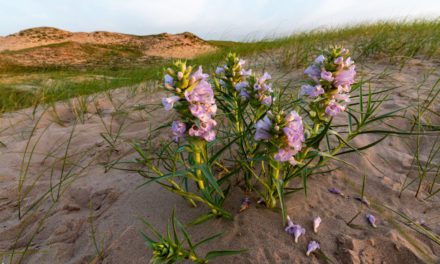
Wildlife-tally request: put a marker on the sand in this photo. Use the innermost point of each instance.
(106, 201)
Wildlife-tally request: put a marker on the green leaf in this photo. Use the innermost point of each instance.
(218, 153)
(166, 176)
(208, 175)
(202, 219)
(185, 233)
(206, 240)
(220, 253)
(280, 191)
(363, 147)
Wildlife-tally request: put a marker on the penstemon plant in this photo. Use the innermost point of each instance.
(276, 142)
(170, 248)
(193, 100)
(293, 144)
(243, 98)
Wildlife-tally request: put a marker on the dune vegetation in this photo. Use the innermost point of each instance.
(319, 147)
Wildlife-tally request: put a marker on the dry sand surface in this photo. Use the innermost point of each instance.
(109, 204)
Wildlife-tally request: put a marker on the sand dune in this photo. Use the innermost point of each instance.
(52, 46)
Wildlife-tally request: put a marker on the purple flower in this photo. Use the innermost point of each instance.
(263, 127)
(349, 62)
(266, 76)
(199, 75)
(313, 71)
(293, 116)
(205, 130)
(239, 86)
(325, 75)
(168, 103)
(295, 230)
(333, 108)
(219, 70)
(362, 200)
(345, 77)
(312, 91)
(200, 111)
(202, 93)
(294, 131)
(245, 203)
(241, 62)
(245, 94)
(371, 219)
(168, 81)
(320, 59)
(339, 61)
(342, 97)
(286, 154)
(344, 88)
(246, 73)
(336, 191)
(267, 100)
(178, 128)
(313, 246)
(316, 222)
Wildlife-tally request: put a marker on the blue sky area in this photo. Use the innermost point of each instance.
(210, 19)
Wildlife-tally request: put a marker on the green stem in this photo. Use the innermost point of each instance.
(198, 161)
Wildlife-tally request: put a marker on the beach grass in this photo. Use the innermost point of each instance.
(395, 41)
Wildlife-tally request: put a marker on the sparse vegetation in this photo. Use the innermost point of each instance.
(80, 130)
(396, 42)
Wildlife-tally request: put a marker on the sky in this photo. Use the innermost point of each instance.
(210, 19)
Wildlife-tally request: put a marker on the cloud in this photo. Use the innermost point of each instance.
(212, 19)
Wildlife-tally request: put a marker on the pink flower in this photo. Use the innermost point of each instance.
(168, 103)
(345, 77)
(199, 75)
(316, 223)
(325, 75)
(205, 130)
(267, 100)
(286, 154)
(202, 93)
(294, 131)
(179, 75)
(334, 108)
(246, 73)
(342, 97)
(200, 111)
(266, 76)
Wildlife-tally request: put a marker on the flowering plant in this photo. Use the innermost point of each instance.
(192, 98)
(236, 90)
(330, 79)
(276, 140)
